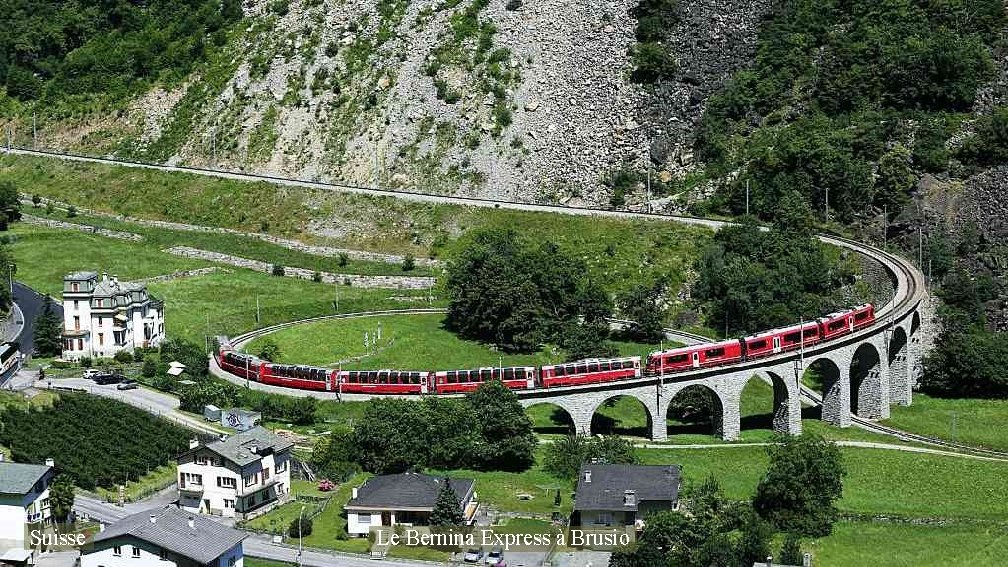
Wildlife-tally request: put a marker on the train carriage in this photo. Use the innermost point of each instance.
(696, 356)
(455, 381)
(293, 376)
(383, 382)
(239, 364)
(590, 371)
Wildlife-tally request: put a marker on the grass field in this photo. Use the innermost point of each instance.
(976, 422)
(618, 252)
(156, 480)
(508, 491)
(407, 341)
(877, 481)
(903, 545)
(212, 304)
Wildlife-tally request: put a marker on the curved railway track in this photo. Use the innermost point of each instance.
(908, 280)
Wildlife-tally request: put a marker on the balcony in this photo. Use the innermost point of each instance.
(257, 486)
(190, 488)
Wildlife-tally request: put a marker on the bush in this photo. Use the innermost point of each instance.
(50, 208)
(71, 211)
(85, 362)
(342, 260)
(123, 356)
(300, 527)
(150, 366)
(270, 351)
(317, 277)
(36, 200)
(278, 270)
(408, 263)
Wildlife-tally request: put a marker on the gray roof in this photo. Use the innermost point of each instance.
(406, 490)
(237, 448)
(109, 288)
(19, 478)
(81, 276)
(205, 541)
(609, 484)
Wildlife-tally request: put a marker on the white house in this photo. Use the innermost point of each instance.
(24, 499)
(168, 537)
(104, 316)
(241, 476)
(404, 499)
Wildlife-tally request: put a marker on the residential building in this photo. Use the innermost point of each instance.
(104, 316)
(167, 537)
(24, 500)
(241, 476)
(623, 495)
(404, 499)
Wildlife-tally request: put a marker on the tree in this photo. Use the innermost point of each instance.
(335, 455)
(505, 437)
(269, 350)
(8, 268)
(303, 410)
(644, 305)
(300, 527)
(802, 482)
(317, 277)
(61, 497)
(278, 270)
(408, 263)
(790, 553)
(895, 179)
(150, 366)
(343, 259)
(565, 455)
(187, 353)
(48, 337)
(967, 363)
(10, 201)
(583, 341)
(505, 289)
(447, 510)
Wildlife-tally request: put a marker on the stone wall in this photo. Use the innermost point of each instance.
(53, 223)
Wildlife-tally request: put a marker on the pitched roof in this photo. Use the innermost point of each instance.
(237, 448)
(205, 541)
(19, 478)
(80, 276)
(406, 490)
(609, 484)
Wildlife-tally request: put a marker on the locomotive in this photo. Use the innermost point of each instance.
(588, 371)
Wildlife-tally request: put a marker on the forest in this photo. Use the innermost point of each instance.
(52, 49)
(97, 441)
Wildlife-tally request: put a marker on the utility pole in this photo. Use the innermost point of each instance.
(920, 247)
(747, 197)
(34, 133)
(885, 226)
(827, 203)
(257, 309)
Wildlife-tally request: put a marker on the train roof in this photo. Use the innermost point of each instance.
(592, 360)
(691, 348)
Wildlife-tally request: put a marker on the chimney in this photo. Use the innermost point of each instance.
(104, 276)
(2, 457)
(354, 492)
(193, 443)
(254, 449)
(806, 560)
(629, 498)
(50, 462)
(192, 523)
(587, 477)
(769, 561)
(153, 518)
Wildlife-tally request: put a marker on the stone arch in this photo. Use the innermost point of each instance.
(867, 378)
(698, 408)
(782, 417)
(605, 423)
(899, 367)
(824, 375)
(549, 417)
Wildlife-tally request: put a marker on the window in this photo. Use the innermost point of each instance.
(80, 344)
(758, 344)
(228, 503)
(101, 339)
(76, 322)
(714, 352)
(201, 460)
(676, 358)
(280, 467)
(604, 518)
(265, 473)
(364, 519)
(191, 478)
(76, 304)
(75, 286)
(117, 551)
(250, 479)
(136, 552)
(45, 504)
(226, 482)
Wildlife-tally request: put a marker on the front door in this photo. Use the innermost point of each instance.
(696, 360)
(776, 344)
(206, 506)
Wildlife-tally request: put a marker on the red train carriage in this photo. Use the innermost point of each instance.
(696, 356)
(291, 376)
(844, 322)
(242, 365)
(453, 381)
(383, 382)
(590, 371)
(864, 316)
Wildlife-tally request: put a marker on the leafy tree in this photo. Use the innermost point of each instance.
(804, 479)
(565, 455)
(187, 353)
(989, 145)
(36, 200)
(300, 527)
(269, 350)
(447, 510)
(644, 305)
(652, 62)
(10, 201)
(967, 363)
(393, 439)
(205, 392)
(278, 270)
(504, 289)
(343, 259)
(8, 269)
(150, 366)
(587, 341)
(791, 550)
(408, 263)
(71, 212)
(895, 179)
(335, 456)
(317, 277)
(505, 437)
(48, 337)
(303, 410)
(61, 497)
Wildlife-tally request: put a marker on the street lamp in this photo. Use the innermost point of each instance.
(300, 514)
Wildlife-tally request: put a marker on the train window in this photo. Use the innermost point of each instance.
(604, 366)
(861, 316)
(558, 370)
(593, 367)
(812, 332)
(450, 377)
(509, 374)
(383, 377)
(485, 375)
(580, 369)
(758, 344)
(676, 358)
(836, 325)
(714, 353)
(793, 337)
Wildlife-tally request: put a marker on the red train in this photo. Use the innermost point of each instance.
(589, 371)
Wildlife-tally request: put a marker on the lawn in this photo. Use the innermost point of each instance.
(407, 342)
(507, 490)
(619, 252)
(151, 483)
(976, 422)
(878, 481)
(256, 562)
(904, 545)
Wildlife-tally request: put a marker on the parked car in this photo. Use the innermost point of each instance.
(109, 378)
(472, 556)
(127, 385)
(495, 557)
(90, 373)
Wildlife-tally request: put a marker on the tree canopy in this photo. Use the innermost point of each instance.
(447, 510)
(565, 455)
(506, 290)
(48, 332)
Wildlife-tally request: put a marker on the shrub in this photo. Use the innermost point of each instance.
(71, 211)
(343, 259)
(278, 270)
(408, 263)
(150, 366)
(36, 200)
(50, 208)
(302, 530)
(317, 277)
(85, 362)
(123, 356)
